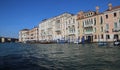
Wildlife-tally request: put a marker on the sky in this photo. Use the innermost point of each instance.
(19, 14)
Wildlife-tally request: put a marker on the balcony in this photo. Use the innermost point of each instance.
(89, 25)
(71, 33)
(42, 29)
(49, 34)
(43, 34)
(49, 26)
(106, 30)
(57, 28)
(90, 32)
(116, 29)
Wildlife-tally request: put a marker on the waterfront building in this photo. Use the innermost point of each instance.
(72, 29)
(23, 35)
(8, 39)
(45, 30)
(112, 23)
(53, 28)
(2, 40)
(28, 35)
(33, 34)
(80, 16)
(91, 26)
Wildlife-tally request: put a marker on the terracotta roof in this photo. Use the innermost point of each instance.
(113, 8)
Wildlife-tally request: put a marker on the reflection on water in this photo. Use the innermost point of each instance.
(16, 56)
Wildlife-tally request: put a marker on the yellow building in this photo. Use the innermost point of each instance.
(91, 25)
(23, 35)
(28, 35)
(33, 34)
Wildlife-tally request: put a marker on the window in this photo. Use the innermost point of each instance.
(87, 22)
(91, 13)
(116, 36)
(95, 30)
(73, 20)
(88, 14)
(91, 21)
(115, 25)
(95, 36)
(101, 29)
(58, 21)
(115, 14)
(78, 24)
(107, 26)
(73, 28)
(101, 20)
(69, 21)
(83, 23)
(94, 21)
(107, 36)
(102, 36)
(66, 22)
(106, 16)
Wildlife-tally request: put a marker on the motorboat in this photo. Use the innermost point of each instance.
(102, 43)
(117, 43)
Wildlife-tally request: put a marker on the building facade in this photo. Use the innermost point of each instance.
(112, 23)
(91, 26)
(33, 34)
(72, 28)
(28, 35)
(53, 28)
(23, 35)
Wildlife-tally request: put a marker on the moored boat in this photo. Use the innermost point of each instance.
(102, 43)
(116, 43)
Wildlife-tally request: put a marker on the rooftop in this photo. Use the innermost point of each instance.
(113, 8)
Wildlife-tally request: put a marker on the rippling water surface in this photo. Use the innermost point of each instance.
(16, 56)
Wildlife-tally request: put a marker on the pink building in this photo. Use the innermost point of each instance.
(112, 23)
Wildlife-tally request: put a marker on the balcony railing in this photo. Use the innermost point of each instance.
(49, 26)
(91, 32)
(106, 30)
(57, 28)
(49, 33)
(71, 33)
(116, 29)
(89, 25)
(43, 34)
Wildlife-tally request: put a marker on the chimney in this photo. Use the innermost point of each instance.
(80, 15)
(110, 6)
(97, 9)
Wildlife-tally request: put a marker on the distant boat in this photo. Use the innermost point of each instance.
(102, 43)
(62, 41)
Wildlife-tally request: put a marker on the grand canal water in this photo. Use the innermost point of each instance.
(17, 56)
